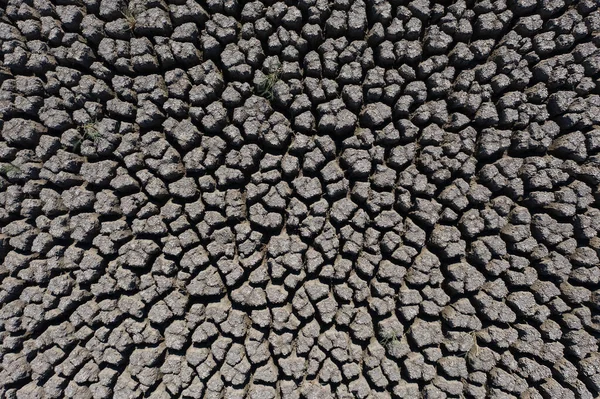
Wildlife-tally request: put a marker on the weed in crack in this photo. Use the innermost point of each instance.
(389, 339)
(128, 15)
(89, 131)
(475, 347)
(9, 168)
(265, 87)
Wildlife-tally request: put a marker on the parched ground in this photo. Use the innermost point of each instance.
(299, 199)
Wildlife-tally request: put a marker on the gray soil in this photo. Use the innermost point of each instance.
(299, 199)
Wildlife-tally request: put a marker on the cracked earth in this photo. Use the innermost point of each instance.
(299, 199)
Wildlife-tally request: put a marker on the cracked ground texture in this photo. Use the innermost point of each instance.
(299, 199)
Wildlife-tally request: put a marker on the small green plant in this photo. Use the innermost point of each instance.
(89, 131)
(475, 347)
(128, 15)
(265, 87)
(7, 168)
(390, 338)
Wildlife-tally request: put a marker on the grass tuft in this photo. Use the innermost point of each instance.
(128, 15)
(89, 131)
(265, 87)
(475, 347)
(389, 339)
(7, 168)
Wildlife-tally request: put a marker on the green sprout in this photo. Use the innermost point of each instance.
(89, 131)
(265, 86)
(389, 339)
(128, 15)
(7, 168)
(475, 347)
